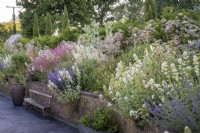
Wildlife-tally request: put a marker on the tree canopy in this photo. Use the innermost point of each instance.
(80, 12)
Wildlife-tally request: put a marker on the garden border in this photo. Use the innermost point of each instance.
(88, 103)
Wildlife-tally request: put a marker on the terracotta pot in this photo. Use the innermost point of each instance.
(17, 94)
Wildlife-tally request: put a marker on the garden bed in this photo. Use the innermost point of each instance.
(88, 102)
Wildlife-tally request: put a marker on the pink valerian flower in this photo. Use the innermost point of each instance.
(63, 49)
(52, 58)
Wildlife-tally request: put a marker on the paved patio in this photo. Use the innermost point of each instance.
(19, 120)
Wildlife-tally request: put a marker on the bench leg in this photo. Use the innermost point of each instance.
(27, 105)
(43, 112)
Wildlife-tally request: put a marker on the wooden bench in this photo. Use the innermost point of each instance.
(30, 102)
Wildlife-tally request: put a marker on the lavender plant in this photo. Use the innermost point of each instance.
(65, 84)
(177, 113)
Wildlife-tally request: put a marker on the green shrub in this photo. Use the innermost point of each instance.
(50, 41)
(1, 42)
(160, 33)
(95, 75)
(101, 120)
(127, 56)
(125, 26)
(170, 13)
(37, 76)
(24, 41)
(89, 75)
(53, 41)
(20, 60)
(2, 51)
(70, 34)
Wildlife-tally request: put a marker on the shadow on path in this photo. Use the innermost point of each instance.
(19, 120)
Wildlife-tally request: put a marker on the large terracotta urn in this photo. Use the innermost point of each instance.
(17, 94)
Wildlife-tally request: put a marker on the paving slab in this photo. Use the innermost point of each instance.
(15, 119)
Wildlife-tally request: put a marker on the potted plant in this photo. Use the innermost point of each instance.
(19, 61)
(101, 121)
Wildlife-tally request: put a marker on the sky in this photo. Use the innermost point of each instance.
(6, 13)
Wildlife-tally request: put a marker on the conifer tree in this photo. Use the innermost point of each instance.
(149, 9)
(65, 19)
(48, 27)
(35, 26)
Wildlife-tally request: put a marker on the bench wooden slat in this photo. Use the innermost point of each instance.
(32, 101)
(35, 103)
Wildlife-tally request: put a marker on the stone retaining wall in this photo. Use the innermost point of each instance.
(5, 89)
(71, 113)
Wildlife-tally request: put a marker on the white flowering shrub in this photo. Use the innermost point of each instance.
(6, 61)
(108, 45)
(148, 77)
(82, 53)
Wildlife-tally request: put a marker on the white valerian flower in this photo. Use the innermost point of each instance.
(152, 48)
(100, 96)
(187, 130)
(52, 85)
(180, 61)
(109, 104)
(61, 73)
(132, 96)
(163, 99)
(185, 55)
(126, 98)
(190, 84)
(157, 85)
(196, 65)
(104, 87)
(146, 86)
(133, 113)
(165, 68)
(117, 94)
(164, 83)
(174, 72)
(151, 81)
(195, 60)
(188, 68)
(135, 57)
(152, 97)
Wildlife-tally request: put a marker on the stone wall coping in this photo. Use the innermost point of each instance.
(89, 94)
(82, 92)
(38, 82)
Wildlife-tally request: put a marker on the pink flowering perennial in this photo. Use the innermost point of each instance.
(51, 58)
